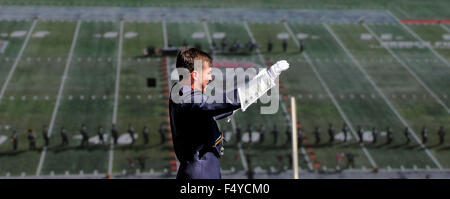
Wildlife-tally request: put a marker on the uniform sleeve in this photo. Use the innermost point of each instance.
(224, 115)
(215, 109)
(228, 100)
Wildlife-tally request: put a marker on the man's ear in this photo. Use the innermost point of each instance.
(194, 75)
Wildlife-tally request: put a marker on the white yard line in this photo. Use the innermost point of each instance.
(119, 62)
(420, 39)
(445, 27)
(283, 106)
(241, 151)
(262, 60)
(336, 104)
(403, 12)
(233, 122)
(254, 41)
(208, 36)
(382, 95)
(438, 100)
(116, 96)
(58, 100)
(16, 62)
(164, 33)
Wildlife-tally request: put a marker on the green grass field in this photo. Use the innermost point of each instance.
(339, 78)
(403, 8)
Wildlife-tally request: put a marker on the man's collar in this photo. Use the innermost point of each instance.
(187, 89)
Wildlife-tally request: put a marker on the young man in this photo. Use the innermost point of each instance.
(424, 134)
(374, 135)
(288, 135)
(345, 131)
(196, 137)
(14, 140)
(131, 132)
(300, 137)
(64, 137)
(269, 46)
(31, 139)
(331, 133)
(101, 138)
(45, 135)
(284, 44)
(441, 134)
(262, 133)
(360, 134)
(84, 136)
(317, 134)
(250, 130)
(114, 133)
(390, 137)
(406, 133)
(145, 135)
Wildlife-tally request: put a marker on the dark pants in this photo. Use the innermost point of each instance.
(389, 140)
(15, 144)
(206, 167)
(145, 139)
(101, 139)
(32, 145)
(132, 138)
(288, 139)
(65, 141)
(350, 164)
(115, 139)
(85, 142)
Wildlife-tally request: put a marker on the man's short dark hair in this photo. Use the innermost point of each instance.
(186, 57)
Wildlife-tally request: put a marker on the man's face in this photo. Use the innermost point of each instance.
(206, 74)
(201, 75)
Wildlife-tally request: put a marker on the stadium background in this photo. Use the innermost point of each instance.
(66, 72)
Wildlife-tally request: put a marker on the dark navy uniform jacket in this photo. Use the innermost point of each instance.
(196, 138)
